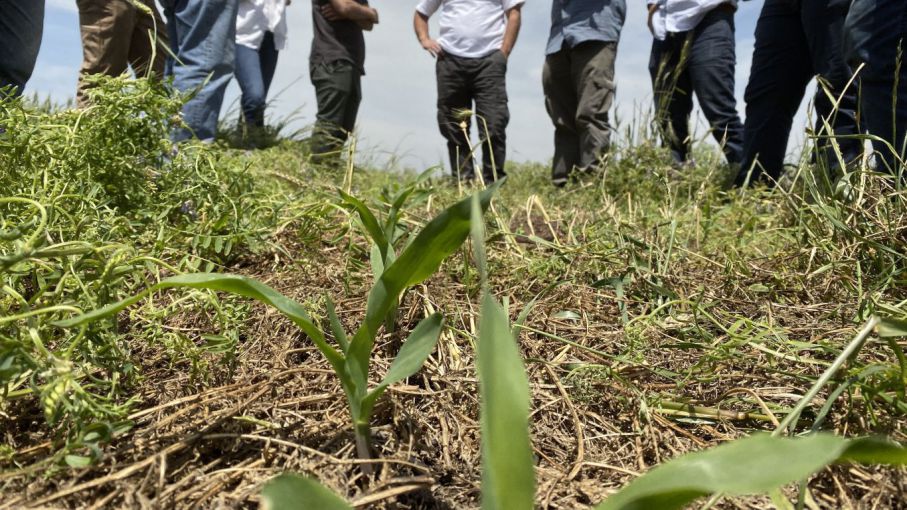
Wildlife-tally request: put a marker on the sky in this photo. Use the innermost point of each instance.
(397, 119)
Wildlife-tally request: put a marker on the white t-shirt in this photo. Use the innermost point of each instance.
(470, 28)
(675, 16)
(256, 17)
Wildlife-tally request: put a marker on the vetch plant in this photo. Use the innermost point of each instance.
(351, 358)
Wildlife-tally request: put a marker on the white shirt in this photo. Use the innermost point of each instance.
(256, 17)
(675, 16)
(470, 28)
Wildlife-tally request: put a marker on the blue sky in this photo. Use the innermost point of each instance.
(397, 117)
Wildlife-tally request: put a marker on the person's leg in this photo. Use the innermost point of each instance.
(147, 53)
(249, 76)
(712, 69)
(593, 77)
(876, 33)
(21, 27)
(493, 114)
(778, 77)
(351, 112)
(560, 101)
(335, 87)
(106, 32)
(205, 31)
(454, 97)
(268, 54)
(672, 92)
(823, 24)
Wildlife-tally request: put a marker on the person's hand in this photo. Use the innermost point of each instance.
(432, 46)
(506, 51)
(374, 16)
(653, 8)
(329, 13)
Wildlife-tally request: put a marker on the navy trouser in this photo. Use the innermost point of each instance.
(700, 61)
(21, 26)
(874, 31)
(254, 72)
(795, 41)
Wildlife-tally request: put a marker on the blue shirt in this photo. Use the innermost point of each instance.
(577, 21)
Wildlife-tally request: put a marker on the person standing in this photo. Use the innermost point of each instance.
(694, 52)
(477, 37)
(117, 34)
(795, 41)
(261, 33)
(21, 27)
(876, 38)
(336, 65)
(578, 80)
(202, 35)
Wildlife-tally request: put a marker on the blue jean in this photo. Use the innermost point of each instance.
(795, 41)
(254, 72)
(873, 31)
(21, 27)
(201, 36)
(708, 71)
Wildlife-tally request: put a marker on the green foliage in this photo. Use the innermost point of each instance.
(95, 203)
(421, 258)
(508, 473)
(757, 464)
(291, 492)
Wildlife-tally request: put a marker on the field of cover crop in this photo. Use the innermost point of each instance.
(219, 328)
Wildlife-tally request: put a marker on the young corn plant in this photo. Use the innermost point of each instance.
(351, 357)
(384, 235)
(508, 474)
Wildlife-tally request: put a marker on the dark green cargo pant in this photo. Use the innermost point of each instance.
(338, 91)
(579, 91)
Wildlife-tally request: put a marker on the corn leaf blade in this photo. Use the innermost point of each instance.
(233, 284)
(757, 464)
(438, 240)
(508, 474)
(292, 492)
(415, 350)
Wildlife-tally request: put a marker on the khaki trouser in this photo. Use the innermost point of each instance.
(115, 35)
(579, 92)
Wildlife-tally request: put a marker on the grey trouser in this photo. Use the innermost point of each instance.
(579, 91)
(462, 81)
(117, 34)
(338, 91)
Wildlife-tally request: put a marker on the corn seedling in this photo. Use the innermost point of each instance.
(508, 474)
(438, 239)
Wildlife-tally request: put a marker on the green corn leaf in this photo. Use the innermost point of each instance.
(891, 328)
(369, 221)
(508, 474)
(757, 464)
(336, 326)
(292, 492)
(78, 461)
(420, 344)
(233, 284)
(438, 240)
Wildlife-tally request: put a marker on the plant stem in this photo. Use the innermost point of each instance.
(364, 446)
